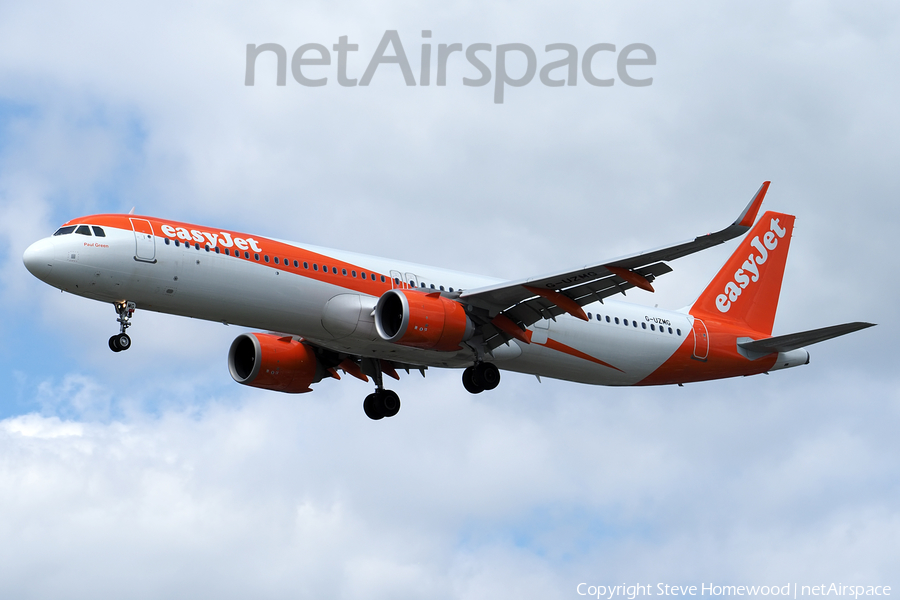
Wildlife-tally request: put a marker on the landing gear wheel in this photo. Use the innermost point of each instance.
(373, 407)
(391, 402)
(123, 342)
(468, 379)
(114, 344)
(486, 376)
(381, 404)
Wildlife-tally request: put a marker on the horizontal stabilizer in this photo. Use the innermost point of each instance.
(792, 341)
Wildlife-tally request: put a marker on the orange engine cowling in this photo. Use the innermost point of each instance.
(422, 320)
(272, 362)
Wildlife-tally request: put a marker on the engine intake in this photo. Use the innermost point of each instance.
(422, 320)
(272, 362)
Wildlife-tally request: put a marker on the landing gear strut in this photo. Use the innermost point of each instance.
(122, 341)
(480, 377)
(383, 403)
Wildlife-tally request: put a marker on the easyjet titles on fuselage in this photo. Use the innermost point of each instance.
(222, 238)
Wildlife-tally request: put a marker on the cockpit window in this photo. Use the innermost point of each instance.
(83, 230)
(65, 230)
(98, 231)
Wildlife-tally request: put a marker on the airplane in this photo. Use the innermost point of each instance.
(325, 310)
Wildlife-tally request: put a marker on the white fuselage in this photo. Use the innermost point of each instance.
(621, 344)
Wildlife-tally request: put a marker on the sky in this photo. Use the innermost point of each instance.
(151, 473)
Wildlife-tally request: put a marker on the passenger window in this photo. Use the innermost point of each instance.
(305, 265)
(315, 267)
(227, 252)
(353, 273)
(382, 278)
(625, 322)
(643, 326)
(590, 316)
(362, 274)
(167, 241)
(217, 250)
(276, 260)
(177, 243)
(206, 247)
(197, 246)
(247, 256)
(607, 318)
(442, 288)
(617, 320)
(296, 265)
(634, 323)
(344, 272)
(83, 230)
(98, 231)
(334, 270)
(432, 286)
(256, 256)
(65, 230)
(678, 331)
(451, 289)
(266, 257)
(652, 327)
(396, 281)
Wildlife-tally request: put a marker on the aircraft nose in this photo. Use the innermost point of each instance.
(38, 258)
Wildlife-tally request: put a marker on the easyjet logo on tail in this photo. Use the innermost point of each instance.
(749, 271)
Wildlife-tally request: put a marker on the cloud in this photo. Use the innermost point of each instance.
(464, 497)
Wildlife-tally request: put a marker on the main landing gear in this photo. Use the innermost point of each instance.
(383, 403)
(480, 377)
(121, 341)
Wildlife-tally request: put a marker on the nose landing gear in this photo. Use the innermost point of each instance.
(480, 377)
(121, 341)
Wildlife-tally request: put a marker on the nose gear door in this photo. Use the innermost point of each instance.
(144, 240)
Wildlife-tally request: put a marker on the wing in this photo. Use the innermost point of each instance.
(505, 310)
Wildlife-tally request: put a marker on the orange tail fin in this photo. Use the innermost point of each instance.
(746, 289)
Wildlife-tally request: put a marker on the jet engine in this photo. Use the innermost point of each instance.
(422, 320)
(273, 362)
